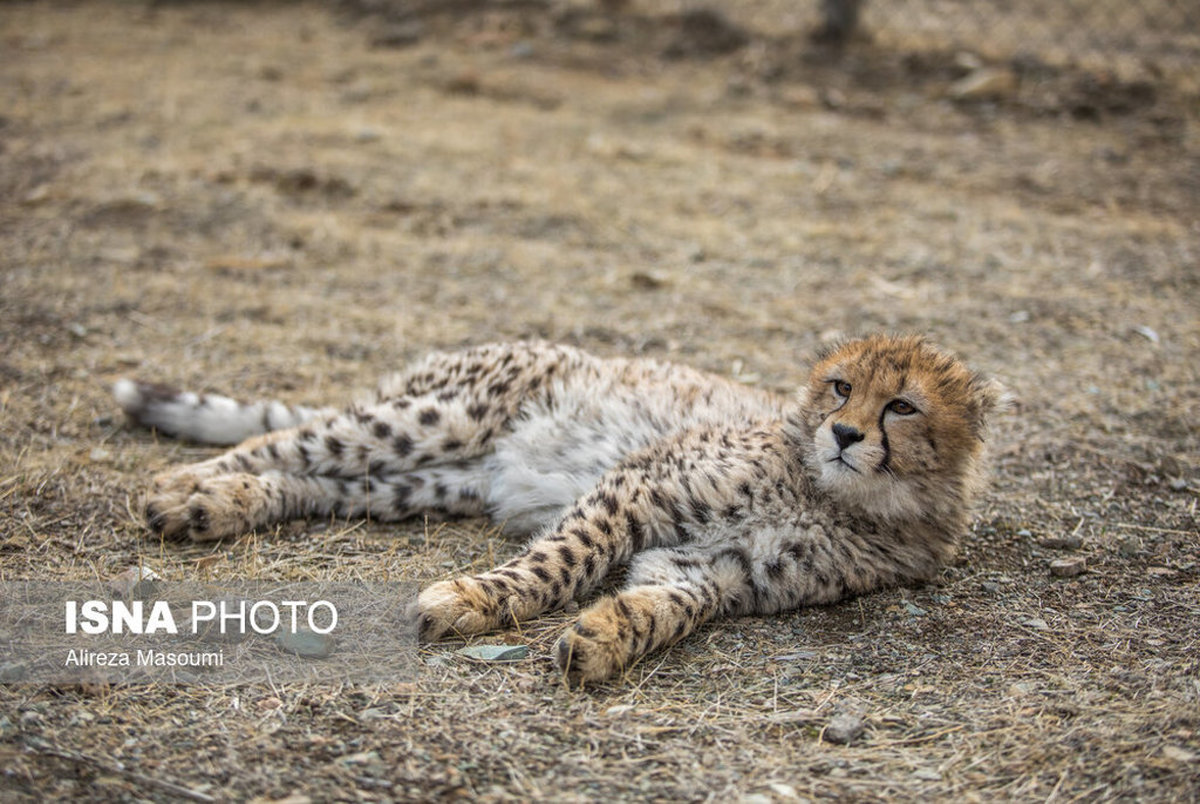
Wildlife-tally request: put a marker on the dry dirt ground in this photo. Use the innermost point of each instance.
(291, 199)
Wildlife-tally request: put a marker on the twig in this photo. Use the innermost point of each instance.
(1154, 529)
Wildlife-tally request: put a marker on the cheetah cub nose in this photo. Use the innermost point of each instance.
(846, 435)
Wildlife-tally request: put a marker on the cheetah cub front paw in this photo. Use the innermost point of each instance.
(599, 645)
(461, 606)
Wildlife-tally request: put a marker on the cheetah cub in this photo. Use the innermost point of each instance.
(723, 499)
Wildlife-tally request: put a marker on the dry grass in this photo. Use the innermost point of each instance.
(248, 198)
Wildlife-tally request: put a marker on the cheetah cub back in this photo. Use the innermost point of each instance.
(721, 499)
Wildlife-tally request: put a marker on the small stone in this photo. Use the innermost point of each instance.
(843, 729)
(800, 97)
(306, 644)
(784, 791)
(1036, 623)
(1129, 546)
(1062, 543)
(399, 36)
(985, 84)
(495, 653)
(11, 671)
(1147, 333)
(1068, 567)
(644, 280)
(915, 611)
(135, 583)
(37, 195)
(927, 775)
(1177, 484)
(990, 587)
(1177, 754)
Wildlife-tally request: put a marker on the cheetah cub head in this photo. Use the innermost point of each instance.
(893, 427)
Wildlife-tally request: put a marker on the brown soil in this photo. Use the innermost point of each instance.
(286, 200)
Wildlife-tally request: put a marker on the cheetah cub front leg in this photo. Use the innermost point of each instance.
(602, 530)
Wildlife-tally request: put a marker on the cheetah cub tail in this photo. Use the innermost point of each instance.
(206, 418)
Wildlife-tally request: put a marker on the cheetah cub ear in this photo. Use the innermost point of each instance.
(988, 397)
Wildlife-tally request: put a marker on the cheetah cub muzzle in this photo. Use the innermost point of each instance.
(722, 499)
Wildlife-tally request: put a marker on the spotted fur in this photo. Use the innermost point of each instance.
(722, 499)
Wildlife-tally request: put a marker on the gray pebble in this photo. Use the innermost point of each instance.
(843, 729)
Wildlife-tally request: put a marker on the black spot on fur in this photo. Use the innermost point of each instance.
(402, 445)
(333, 445)
(429, 417)
(651, 628)
(541, 574)
(451, 444)
(567, 555)
(478, 412)
(637, 536)
(382, 430)
(401, 495)
(609, 502)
